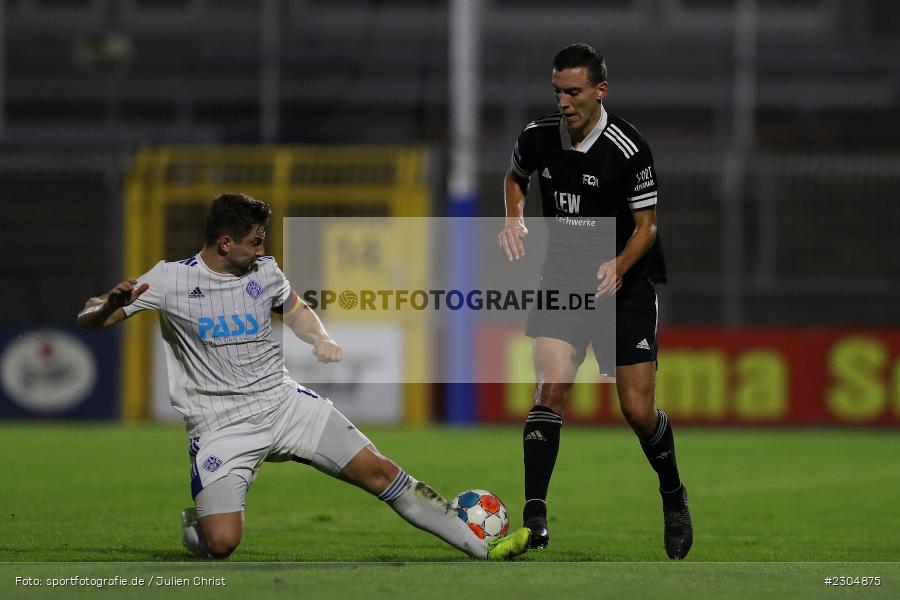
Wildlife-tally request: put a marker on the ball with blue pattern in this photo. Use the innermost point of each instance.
(483, 512)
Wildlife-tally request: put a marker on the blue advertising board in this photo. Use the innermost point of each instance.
(59, 373)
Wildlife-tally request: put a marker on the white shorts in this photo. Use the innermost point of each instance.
(292, 431)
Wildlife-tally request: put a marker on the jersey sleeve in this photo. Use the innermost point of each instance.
(524, 159)
(641, 180)
(284, 299)
(152, 298)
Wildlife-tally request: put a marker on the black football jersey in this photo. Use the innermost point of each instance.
(609, 174)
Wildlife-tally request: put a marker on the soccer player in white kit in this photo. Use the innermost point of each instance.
(228, 380)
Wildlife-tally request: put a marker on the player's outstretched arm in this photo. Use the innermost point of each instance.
(106, 310)
(511, 239)
(307, 326)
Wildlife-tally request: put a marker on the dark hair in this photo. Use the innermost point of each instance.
(235, 215)
(582, 55)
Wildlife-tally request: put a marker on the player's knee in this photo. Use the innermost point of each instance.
(640, 415)
(220, 544)
(379, 478)
(554, 396)
(222, 538)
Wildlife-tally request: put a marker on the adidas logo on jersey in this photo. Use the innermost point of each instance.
(535, 436)
(643, 345)
(197, 293)
(546, 173)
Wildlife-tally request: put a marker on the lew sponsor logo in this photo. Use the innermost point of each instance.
(567, 202)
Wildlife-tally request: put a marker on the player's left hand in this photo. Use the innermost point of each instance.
(610, 279)
(326, 350)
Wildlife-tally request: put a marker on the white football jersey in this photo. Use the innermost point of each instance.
(223, 359)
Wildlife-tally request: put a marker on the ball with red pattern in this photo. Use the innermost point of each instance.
(483, 512)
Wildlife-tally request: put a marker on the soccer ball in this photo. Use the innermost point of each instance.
(483, 512)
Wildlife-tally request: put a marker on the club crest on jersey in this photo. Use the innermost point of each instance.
(212, 463)
(254, 289)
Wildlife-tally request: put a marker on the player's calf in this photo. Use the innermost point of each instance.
(370, 470)
(659, 448)
(540, 441)
(421, 506)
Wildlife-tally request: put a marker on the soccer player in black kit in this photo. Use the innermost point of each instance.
(591, 163)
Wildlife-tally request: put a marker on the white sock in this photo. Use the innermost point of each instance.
(424, 508)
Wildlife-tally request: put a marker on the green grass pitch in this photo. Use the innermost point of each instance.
(763, 501)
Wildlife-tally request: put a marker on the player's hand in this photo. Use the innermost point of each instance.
(610, 279)
(125, 293)
(326, 350)
(512, 239)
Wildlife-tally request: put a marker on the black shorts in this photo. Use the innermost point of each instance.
(635, 323)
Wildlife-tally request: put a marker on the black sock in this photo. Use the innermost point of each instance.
(541, 445)
(660, 451)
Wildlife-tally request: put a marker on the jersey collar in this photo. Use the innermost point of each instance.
(592, 137)
(209, 270)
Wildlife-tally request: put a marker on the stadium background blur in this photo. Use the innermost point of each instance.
(775, 127)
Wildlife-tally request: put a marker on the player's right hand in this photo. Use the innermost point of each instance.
(511, 239)
(326, 350)
(125, 293)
